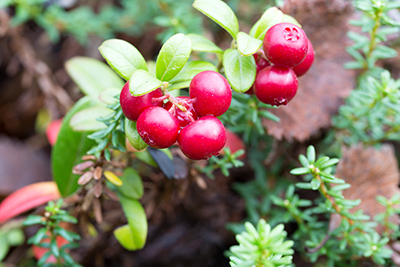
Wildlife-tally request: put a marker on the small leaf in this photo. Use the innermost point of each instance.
(191, 69)
(132, 236)
(92, 76)
(173, 57)
(163, 161)
(202, 44)
(33, 219)
(4, 247)
(111, 177)
(315, 184)
(290, 19)
(300, 171)
(132, 184)
(219, 12)
(108, 96)
(142, 82)
(247, 45)
(240, 71)
(133, 136)
(311, 154)
(270, 17)
(38, 236)
(86, 120)
(123, 57)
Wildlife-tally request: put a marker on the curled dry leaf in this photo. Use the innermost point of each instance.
(371, 173)
(98, 189)
(98, 171)
(98, 215)
(89, 157)
(83, 166)
(320, 93)
(85, 178)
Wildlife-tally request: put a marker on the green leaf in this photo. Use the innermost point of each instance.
(247, 45)
(86, 120)
(173, 56)
(142, 82)
(304, 185)
(38, 237)
(123, 57)
(311, 154)
(290, 19)
(191, 69)
(240, 71)
(315, 183)
(33, 219)
(219, 12)
(300, 171)
(69, 149)
(4, 246)
(92, 76)
(15, 237)
(108, 96)
(132, 185)
(270, 17)
(202, 44)
(133, 136)
(132, 236)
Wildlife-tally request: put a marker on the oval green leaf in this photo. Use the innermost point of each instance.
(240, 71)
(132, 185)
(92, 76)
(191, 69)
(142, 82)
(108, 96)
(270, 17)
(123, 57)
(202, 44)
(247, 45)
(173, 56)
(69, 149)
(290, 19)
(133, 235)
(133, 136)
(219, 12)
(86, 120)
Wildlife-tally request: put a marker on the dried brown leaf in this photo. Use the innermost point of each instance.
(98, 171)
(88, 157)
(322, 90)
(83, 166)
(98, 189)
(98, 215)
(371, 173)
(85, 178)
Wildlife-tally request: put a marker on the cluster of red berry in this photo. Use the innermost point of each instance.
(190, 121)
(287, 53)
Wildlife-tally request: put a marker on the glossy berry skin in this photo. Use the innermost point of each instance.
(133, 106)
(306, 64)
(212, 93)
(260, 62)
(285, 45)
(157, 127)
(203, 138)
(275, 85)
(182, 116)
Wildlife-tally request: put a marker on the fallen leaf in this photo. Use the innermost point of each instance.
(371, 173)
(323, 88)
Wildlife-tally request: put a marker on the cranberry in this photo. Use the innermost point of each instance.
(157, 127)
(285, 45)
(306, 64)
(275, 85)
(260, 62)
(203, 138)
(212, 93)
(184, 117)
(133, 106)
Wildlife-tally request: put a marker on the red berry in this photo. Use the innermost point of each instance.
(184, 117)
(157, 127)
(133, 106)
(212, 93)
(285, 45)
(306, 64)
(203, 138)
(275, 85)
(260, 62)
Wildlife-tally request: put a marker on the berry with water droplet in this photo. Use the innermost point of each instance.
(133, 106)
(285, 45)
(184, 117)
(203, 138)
(306, 64)
(275, 85)
(157, 127)
(212, 93)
